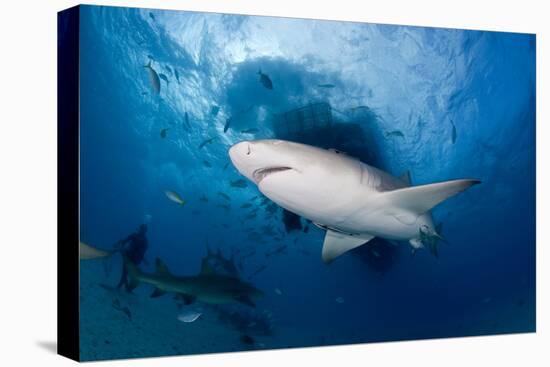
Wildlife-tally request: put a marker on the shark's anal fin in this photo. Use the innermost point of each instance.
(338, 243)
(157, 293)
(420, 199)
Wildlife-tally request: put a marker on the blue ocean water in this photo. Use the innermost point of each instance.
(439, 103)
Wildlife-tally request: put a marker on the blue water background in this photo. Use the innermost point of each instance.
(417, 80)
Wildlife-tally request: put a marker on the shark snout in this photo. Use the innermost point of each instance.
(240, 150)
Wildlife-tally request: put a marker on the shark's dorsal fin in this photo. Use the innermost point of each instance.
(206, 269)
(420, 199)
(406, 177)
(161, 268)
(338, 243)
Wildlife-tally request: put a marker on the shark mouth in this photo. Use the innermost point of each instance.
(262, 173)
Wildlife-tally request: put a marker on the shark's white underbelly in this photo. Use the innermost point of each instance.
(357, 222)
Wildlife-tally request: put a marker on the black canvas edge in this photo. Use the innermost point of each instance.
(68, 341)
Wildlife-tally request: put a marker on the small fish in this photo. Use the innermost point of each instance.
(306, 229)
(339, 300)
(227, 124)
(163, 77)
(264, 79)
(225, 166)
(153, 77)
(361, 107)
(396, 133)
(151, 16)
(225, 206)
(207, 164)
(163, 132)
(325, 85)
(175, 197)
(278, 291)
(246, 205)
(186, 116)
(207, 141)
(224, 195)
(204, 198)
(453, 134)
(189, 316)
(177, 75)
(214, 110)
(250, 131)
(240, 183)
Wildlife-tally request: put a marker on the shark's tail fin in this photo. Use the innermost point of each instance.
(133, 273)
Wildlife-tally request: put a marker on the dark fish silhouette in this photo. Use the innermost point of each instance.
(453, 135)
(186, 117)
(151, 16)
(227, 124)
(163, 77)
(396, 133)
(264, 79)
(163, 133)
(240, 183)
(207, 141)
(325, 85)
(177, 75)
(207, 164)
(224, 195)
(153, 77)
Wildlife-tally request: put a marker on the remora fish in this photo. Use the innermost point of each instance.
(153, 77)
(88, 252)
(175, 197)
(207, 286)
(354, 202)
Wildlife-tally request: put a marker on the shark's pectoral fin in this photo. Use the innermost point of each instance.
(337, 243)
(157, 293)
(245, 300)
(420, 199)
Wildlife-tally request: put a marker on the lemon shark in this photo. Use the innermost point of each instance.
(352, 201)
(208, 286)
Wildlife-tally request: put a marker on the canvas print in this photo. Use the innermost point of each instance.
(252, 183)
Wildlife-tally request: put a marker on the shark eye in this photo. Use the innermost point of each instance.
(248, 150)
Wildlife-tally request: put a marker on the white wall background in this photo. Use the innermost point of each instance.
(28, 182)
